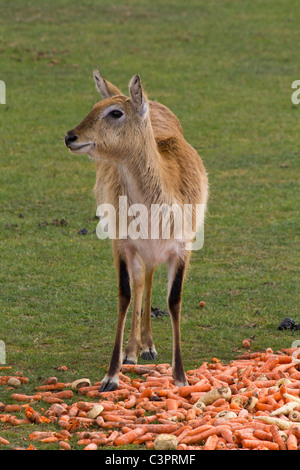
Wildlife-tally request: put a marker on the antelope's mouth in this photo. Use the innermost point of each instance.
(81, 147)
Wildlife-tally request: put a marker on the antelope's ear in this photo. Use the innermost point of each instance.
(105, 88)
(138, 96)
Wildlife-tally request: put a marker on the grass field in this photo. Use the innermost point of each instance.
(225, 68)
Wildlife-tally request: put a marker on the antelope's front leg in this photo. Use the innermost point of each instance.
(137, 275)
(111, 379)
(176, 276)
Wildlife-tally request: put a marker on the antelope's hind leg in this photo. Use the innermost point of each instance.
(111, 379)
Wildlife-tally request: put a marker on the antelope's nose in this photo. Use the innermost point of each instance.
(70, 137)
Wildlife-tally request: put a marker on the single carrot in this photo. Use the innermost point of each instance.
(226, 378)
(64, 445)
(91, 446)
(149, 436)
(53, 386)
(4, 442)
(49, 440)
(157, 428)
(201, 386)
(221, 444)
(22, 397)
(65, 394)
(254, 443)
(150, 444)
(172, 404)
(227, 434)
(12, 408)
(263, 435)
(277, 437)
(191, 414)
(130, 403)
(129, 436)
(218, 403)
(292, 442)
(201, 427)
(211, 442)
(241, 434)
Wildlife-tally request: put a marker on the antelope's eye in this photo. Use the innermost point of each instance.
(116, 114)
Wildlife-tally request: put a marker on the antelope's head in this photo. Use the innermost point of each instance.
(114, 126)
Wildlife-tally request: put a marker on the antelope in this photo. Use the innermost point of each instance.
(140, 152)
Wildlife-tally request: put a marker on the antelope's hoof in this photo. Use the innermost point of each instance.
(180, 382)
(109, 384)
(149, 354)
(128, 361)
(129, 358)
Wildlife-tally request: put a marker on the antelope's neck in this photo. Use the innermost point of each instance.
(142, 178)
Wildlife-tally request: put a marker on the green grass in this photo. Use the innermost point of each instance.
(225, 69)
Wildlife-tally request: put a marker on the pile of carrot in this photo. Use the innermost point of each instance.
(251, 403)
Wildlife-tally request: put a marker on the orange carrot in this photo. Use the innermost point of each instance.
(277, 438)
(227, 434)
(221, 444)
(91, 446)
(269, 364)
(201, 436)
(254, 443)
(64, 445)
(22, 397)
(130, 403)
(190, 414)
(12, 408)
(150, 444)
(292, 442)
(241, 434)
(226, 378)
(65, 394)
(263, 407)
(263, 435)
(157, 428)
(4, 442)
(31, 447)
(211, 442)
(129, 436)
(171, 404)
(49, 440)
(201, 386)
(295, 429)
(53, 386)
(149, 436)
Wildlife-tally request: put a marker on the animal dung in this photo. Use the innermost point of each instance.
(288, 324)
